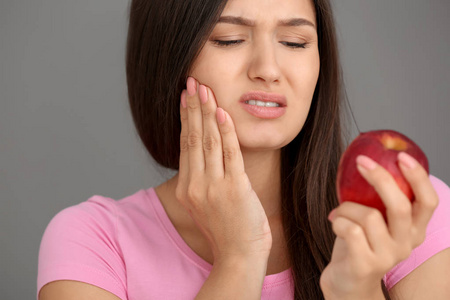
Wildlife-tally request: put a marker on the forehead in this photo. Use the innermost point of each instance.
(267, 10)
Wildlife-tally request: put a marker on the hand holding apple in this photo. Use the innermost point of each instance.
(382, 146)
(379, 175)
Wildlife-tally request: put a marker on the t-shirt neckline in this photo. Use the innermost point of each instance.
(184, 248)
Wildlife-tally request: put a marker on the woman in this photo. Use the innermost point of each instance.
(246, 215)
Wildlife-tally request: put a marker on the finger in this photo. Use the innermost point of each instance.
(370, 220)
(426, 199)
(232, 155)
(352, 234)
(398, 206)
(212, 141)
(183, 170)
(195, 130)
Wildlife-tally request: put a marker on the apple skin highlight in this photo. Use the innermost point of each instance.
(382, 146)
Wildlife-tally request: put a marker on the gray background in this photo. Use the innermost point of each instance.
(66, 132)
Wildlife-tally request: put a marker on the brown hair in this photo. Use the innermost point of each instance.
(164, 38)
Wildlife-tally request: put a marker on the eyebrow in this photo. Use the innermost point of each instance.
(247, 22)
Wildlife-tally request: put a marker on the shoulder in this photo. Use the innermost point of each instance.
(81, 243)
(441, 187)
(434, 250)
(79, 220)
(440, 220)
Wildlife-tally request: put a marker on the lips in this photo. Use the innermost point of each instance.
(264, 112)
(263, 96)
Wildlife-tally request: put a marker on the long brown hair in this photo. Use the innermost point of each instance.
(164, 38)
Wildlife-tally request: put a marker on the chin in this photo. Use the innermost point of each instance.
(262, 141)
(267, 135)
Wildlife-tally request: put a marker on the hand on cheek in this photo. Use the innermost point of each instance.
(212, 183)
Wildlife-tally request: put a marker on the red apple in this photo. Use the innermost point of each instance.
(383, 147)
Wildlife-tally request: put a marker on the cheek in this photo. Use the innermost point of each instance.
(219, 74)
(303, 73)
(211, 67)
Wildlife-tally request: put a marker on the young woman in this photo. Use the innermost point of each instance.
(243, 97)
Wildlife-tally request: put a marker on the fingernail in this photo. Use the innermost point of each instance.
(407, 160)
(191, 86)
(366, 162)
(220, 115)
(183, 99)
(203, 94)
(331, 215)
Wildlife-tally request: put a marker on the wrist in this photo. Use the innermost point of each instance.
(368, 290)
(376, 294)
(241, 262)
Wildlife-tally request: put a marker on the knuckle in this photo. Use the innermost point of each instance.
(354, 231)
(207, 113)
(183, 117)
(229, 154)
(192, 105)
(402, 210)
(210, 143)
(433, 201)
(184, 143)
(373, 218)
(430, 204)
(193, 139)
(193, 193)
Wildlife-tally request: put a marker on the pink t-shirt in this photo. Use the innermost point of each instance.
(130, 248)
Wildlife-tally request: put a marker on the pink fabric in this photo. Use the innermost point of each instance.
(130, 248)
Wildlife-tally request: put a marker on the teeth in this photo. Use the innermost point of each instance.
(262, 103)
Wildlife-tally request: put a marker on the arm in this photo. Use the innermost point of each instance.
(431, 280)
(235, 279)
(217, 193)
(74, 290)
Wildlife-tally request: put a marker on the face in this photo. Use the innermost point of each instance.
(269, 47)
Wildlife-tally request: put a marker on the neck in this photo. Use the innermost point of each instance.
(263, 171)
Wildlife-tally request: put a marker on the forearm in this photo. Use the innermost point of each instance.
(235, 279)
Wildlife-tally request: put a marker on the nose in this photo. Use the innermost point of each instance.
(263, 65)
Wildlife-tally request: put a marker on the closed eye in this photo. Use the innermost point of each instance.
(294, 45)
(227, 43)
(237, 42)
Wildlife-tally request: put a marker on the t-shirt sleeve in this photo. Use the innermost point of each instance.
(80, 243)
(437, 237)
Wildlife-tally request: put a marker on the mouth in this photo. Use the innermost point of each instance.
(264, 99)
(264, 105)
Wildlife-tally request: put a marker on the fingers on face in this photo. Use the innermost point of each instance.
(184, 159)
(212, 141)
(232, 155)
(195, 129)
(208, 140)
